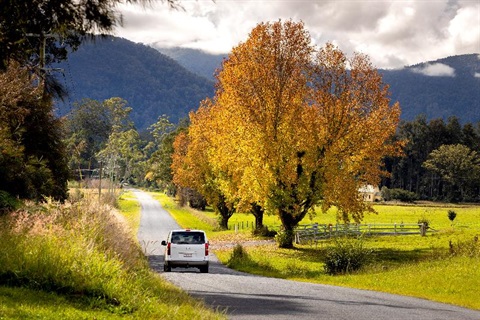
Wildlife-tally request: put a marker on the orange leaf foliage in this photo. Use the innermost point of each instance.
(291, 126)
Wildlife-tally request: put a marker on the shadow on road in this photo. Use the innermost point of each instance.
(216, 267)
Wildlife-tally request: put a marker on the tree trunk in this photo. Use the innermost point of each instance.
(257, 212)
(224, 222)
(285, 239)
(225, 214)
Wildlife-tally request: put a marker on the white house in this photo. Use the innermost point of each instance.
(370, 193)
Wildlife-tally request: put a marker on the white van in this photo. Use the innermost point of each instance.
(186, 248)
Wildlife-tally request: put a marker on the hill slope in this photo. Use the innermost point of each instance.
(436, 89)
(152, 83)
(155, 84)
(197, 61)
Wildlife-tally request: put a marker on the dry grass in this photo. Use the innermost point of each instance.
(83, 251)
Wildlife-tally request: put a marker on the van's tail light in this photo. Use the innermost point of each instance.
(206, 248)
(168, 248)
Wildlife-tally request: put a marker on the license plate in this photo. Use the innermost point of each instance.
(187, 255)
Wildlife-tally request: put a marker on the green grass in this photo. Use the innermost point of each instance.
(421, 271)
(130, 209)
(186, 217)
(408, 265)
(77, 261)
(23, 303)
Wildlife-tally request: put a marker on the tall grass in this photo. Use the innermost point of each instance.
(81, 250)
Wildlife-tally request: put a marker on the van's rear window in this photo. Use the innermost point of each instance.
(188, 237)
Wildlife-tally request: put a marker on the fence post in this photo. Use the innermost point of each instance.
(395, 228)
(423, 229)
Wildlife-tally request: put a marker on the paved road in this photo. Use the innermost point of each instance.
(244, 296)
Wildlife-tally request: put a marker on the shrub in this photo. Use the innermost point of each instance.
(425, 222)
(451, 215)
(238, 257)
(284, 239)
(402, 195)
(469, 248)
(346, 256)
(264, 232)
(386, 194)
(76, 195)
(7, 202)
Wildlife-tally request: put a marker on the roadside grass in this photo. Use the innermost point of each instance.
(24, 303)
(77, 261)
(185, 217)
(130, 210)
(443, 266)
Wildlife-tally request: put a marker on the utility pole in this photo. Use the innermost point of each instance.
(42, 58)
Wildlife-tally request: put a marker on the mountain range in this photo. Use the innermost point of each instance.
(157, 81)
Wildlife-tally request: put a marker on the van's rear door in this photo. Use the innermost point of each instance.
(187, 246)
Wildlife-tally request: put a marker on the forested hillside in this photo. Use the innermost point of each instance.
(155, 84)
(436, 89)
(197, 61)
(152, 83)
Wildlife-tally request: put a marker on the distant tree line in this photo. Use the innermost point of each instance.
(441, 160)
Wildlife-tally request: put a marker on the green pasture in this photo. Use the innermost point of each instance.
(467, 221)
(442, 266)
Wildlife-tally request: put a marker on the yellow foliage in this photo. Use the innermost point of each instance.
(290, 126)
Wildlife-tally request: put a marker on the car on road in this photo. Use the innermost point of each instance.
(186, 248)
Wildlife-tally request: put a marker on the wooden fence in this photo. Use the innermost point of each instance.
(314, 232)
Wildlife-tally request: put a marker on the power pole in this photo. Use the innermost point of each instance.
(42, 58)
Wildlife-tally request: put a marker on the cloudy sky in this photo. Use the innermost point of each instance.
(393, 33)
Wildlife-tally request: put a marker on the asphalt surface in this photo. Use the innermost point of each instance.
(243, 296)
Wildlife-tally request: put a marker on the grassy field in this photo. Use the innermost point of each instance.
(80, 260)
(443, 266)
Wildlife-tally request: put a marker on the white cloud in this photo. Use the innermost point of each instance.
(464, 29)
(393, 33)
(436, 70)
(477, 75)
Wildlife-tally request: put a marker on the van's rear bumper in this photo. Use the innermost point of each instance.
(185, 264)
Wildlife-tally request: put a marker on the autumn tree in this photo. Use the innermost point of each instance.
(299, 125)
(192, 167)
(356, 124)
